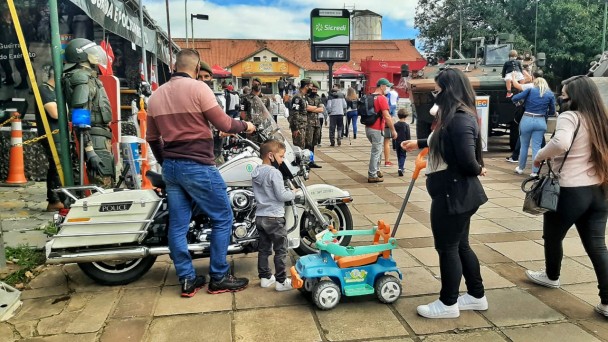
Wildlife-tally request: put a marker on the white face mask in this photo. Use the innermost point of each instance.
(386, 91)
(434, 109)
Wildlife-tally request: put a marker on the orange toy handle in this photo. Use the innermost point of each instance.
(420, 163)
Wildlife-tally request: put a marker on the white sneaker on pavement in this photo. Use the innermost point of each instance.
(602, 309)
(518, 170)
(540, 278)
(268, 282)
(437, 309)
(284, 286)
(468, 302)
(534, 175)
(511, 160)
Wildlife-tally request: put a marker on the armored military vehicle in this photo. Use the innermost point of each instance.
(484, 72)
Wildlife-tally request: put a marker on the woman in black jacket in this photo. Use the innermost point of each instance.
(453, 165)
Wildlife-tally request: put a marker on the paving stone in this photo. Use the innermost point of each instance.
(584, 260)
(420, 325)
(343, 323)
(403, 259)
(170, 302)
(565, 332)
(499, 237)
(412, 230)
(6, 333)
(586, 292)
(26, 329)
(519, 224)
(497, 213)
(201, 267)
(136, 302)
(275, 324)
(257, 297)
(32, 238)
(475, 336)
(79, 282)
(56, 324)
(64, 338)
(418, 280)
(45, 292)
(485, 227)
(214, 327)
(33, 309)
(51, 276)
(248, 267)
(571, 272)
(597, 326)
(487, 255)
(94, 314)
(519, 250)
(153, 278)
(508, 202)
(491, 279)
(507, 305)
(125, 330)
(78, 300)
(416, 242)
(427, 256)
(375, 208)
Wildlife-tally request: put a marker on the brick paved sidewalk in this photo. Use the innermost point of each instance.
(64, 305)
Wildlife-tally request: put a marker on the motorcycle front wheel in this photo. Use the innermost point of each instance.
(117, 272)
(338, 215)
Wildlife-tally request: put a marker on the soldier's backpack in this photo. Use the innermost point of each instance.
(366, 110)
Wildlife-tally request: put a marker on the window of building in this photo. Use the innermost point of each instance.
(256, 59)
(275, 59)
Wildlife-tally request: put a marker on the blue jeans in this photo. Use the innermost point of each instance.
(377, 140)
(401, 154)
(393, 109)
(531, 132)
(352, 117)
(191, 184)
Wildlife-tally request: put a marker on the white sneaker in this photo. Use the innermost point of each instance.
(437, 309)
(540, 278)
(284, 286)
(511, 160)
(268, 282)
(468, 302)
(518, 170)
(602, 309)
(534, 175)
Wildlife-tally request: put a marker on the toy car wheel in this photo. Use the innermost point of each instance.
(388, 289)
(326, 294)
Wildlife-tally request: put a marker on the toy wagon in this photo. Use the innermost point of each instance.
(350, 271)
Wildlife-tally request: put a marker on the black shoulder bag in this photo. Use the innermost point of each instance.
(520, 109)
(543, 193)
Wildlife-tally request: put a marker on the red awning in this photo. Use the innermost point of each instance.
(347, 72)
(219, 72)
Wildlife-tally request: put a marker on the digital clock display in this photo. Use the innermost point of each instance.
(325, 53)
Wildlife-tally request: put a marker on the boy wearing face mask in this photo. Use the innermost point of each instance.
(271, 194)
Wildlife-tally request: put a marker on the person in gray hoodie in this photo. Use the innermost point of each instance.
(336, 107)
(271, 194)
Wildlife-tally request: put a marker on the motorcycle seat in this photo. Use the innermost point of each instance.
(156, 179)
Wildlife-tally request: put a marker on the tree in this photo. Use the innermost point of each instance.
(569, 31)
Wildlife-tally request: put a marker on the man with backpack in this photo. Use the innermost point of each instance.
(374, 111)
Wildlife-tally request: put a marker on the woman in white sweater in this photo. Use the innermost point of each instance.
(584, 183)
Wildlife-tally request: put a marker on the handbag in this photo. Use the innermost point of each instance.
(520, 109)
(542, 192)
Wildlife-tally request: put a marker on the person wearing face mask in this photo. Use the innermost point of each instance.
(375, 131)
(247, 100)
(298, 114)
(313, 129)
(454, 164)
(270, 195)
(180, 113)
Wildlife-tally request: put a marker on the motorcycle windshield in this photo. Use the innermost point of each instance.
(264, 122)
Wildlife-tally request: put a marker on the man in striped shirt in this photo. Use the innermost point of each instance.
(179, 116)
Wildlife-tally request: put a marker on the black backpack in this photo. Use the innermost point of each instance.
(366, 110)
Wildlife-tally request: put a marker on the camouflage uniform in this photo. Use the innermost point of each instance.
(246, 104)
(313, 129)
(298, 119)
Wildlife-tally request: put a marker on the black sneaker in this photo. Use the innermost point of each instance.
(314, 165)
(229, 283)
(191, 287)
(400, 173)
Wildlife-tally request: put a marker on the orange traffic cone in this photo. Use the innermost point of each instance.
(16, 169)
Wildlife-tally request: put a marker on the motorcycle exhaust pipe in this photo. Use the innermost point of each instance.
(123, 254)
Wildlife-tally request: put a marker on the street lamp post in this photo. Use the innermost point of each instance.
(186, 19)
(536, 27)
(199, 17)
(604, 29)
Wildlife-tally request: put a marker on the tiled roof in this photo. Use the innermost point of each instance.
(227, 52)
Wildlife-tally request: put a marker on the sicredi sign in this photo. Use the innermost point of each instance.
(330, 35)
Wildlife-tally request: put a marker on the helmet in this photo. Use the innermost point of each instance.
(82, 50)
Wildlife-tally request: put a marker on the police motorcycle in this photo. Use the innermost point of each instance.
(115, 235)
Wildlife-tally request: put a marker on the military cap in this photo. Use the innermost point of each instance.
(315, 84)
(206, 67)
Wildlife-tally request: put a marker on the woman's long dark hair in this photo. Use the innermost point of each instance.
(585, 99)
(457, 95)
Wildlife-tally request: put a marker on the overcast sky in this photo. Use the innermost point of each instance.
(274, 19)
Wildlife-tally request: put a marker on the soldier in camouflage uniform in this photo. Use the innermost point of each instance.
(84, 90)
(247, 100)
(313, 129)
(298, 116)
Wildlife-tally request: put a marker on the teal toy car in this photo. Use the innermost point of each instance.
(350, 271)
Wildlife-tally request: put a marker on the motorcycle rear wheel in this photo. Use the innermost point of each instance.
(307, 245)
(117, 273)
